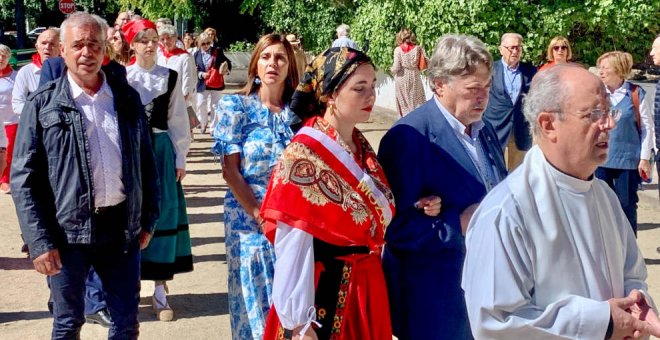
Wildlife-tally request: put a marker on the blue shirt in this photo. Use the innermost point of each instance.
(344, 41)
(472, 144)
(512, 80)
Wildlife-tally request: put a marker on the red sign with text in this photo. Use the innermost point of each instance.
(67, 6)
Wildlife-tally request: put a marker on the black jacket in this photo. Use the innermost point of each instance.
(51, 176)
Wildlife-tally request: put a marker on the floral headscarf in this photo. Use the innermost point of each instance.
(326, 73)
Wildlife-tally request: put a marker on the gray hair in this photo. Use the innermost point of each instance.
(343, 30)
(457, 55)
(78, 19)
(169, 30)
(546, 94)
(164, 21)
(510, 35)
(4, 49)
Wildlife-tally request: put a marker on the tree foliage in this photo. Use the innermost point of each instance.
(592, 26)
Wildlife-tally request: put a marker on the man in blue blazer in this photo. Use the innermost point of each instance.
(444, 149)
(511, 81)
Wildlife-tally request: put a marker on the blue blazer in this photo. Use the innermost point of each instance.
(506, 114)
(53, 68)
(423, 257)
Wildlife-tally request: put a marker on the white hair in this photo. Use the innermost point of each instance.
(343, 30)
(457, 55)
(78, 19)
(506, 36)
(4, 49)
(169, 30)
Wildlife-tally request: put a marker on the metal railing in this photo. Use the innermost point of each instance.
(21, 57)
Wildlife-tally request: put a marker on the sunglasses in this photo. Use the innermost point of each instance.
(206, 43)
(558, 48)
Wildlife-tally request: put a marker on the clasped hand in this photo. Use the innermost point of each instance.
(633, 318)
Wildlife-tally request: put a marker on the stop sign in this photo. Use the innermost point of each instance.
(67, 6)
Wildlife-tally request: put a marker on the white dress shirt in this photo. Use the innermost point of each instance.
(102, 131)
(27, 81)
(184, 65)
(645, 113)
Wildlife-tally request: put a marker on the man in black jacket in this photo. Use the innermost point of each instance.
(85, 183)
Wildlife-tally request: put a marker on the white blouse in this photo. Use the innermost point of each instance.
(6, 86)
(153, 83)
(293, 284)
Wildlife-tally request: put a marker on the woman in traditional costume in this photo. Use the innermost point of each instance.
(326, 209)
(169, 251)
(252, 131)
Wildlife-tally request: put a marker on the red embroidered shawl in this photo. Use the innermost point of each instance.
(319, 187)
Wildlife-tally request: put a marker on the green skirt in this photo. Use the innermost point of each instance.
(169, 251)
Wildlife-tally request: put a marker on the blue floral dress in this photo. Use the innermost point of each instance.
(247, 127)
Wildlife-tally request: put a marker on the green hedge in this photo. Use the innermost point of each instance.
(592, 26)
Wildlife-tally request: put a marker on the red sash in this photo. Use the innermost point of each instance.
(315, 189)
(174, 52)
(36, 59)
(6, 71)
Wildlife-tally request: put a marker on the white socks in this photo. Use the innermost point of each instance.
(161, 296)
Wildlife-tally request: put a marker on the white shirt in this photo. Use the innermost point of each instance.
(102, 131)
(153, 83)
(645, 113)
(545, 251)
(184, 65)
(27, 81)
(6, 87)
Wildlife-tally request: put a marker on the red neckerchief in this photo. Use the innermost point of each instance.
(106, 60)
(407, 47)
(6, 71)
(36, 59)
(175, 51)
(131, 61)
(312, 190)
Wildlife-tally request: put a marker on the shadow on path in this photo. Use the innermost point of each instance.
(198, 202)
(201, 241)
(187, 306)
(15, 263)
(210, 258)
(21, 316)
(205, 218)
(651, 262)
(196, 189)
(647, 226)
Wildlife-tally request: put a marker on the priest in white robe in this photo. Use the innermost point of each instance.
(550, 253)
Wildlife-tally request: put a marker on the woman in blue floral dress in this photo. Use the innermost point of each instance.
(252, 131)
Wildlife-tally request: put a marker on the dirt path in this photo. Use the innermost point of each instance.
(199, 298)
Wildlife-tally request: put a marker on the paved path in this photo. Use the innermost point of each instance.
(198, 298)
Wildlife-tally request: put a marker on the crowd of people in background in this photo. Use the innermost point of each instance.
(455, 229)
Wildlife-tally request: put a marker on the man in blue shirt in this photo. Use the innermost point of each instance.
(511, 80)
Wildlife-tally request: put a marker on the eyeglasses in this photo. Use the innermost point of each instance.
(562, 47)
(205, 43)
(513, 48)
(601, 116)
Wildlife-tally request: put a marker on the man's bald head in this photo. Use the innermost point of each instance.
(48, 43)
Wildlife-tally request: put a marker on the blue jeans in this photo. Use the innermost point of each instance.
(94, 299)
(624, 182)
(117, 265)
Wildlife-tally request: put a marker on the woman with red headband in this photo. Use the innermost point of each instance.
(169, 251)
